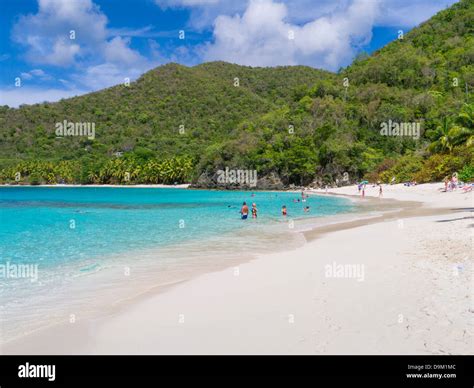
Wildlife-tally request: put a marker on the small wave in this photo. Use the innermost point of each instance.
(93, 268)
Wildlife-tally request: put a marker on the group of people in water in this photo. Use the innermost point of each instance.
(244, 211)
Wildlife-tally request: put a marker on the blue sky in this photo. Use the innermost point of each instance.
(51, 49)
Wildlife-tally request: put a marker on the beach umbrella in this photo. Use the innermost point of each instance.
(364, 182)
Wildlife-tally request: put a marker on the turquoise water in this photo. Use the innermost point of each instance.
(61, 225)
(73, 232)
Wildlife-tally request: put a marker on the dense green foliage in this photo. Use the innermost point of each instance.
(118, 171)
(304, 124)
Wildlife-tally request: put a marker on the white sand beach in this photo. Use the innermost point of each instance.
(429, 194)
(396, 285)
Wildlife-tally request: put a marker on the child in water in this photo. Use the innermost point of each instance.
(254, 210)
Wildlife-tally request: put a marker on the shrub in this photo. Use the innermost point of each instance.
(404, 169)
(375, 175)
(467, 173)
(438, 166)
(34, 179)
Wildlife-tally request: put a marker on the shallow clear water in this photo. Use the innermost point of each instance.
(87, 242)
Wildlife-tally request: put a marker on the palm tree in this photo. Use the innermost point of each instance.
(153, 172)
(464, 130)
(442, 136)
(92, 177)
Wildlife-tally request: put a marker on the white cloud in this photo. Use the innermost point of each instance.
(130, 32)
(204, 12)
(97, 57)
(184, 3)
(105, 75)
(63, 54)
(26, 76)
(409, 13)
(262, 36)
(399, 13)
(118, 51)
(35, 73)
(46, 35)
(38, 72)
(18, 96)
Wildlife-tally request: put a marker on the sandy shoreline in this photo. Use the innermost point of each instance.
(404, 287)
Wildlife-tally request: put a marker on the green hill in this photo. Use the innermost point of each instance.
(177, 123)
(150, 111)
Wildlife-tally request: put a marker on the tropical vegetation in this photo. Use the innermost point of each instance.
(308, 126)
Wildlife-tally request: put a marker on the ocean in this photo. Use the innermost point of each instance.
(66, 252)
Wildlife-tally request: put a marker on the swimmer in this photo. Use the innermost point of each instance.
(254, 210)
(244, 211)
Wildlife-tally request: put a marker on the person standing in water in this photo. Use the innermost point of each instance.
(244, 211)
(254, 210)
(283, 210)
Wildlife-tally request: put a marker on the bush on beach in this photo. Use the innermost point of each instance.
(433, 169)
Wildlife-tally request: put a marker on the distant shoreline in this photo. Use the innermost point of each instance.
(163, 186)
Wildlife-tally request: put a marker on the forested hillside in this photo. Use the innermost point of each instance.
(304, 125)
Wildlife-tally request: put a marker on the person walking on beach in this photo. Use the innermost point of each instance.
(244, 211)
(254, 210)
(283, 210)
(380, 191)
(363, 191)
